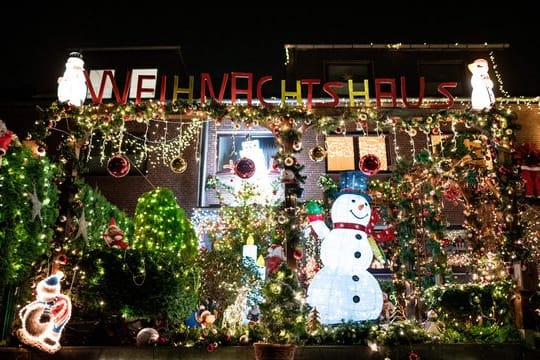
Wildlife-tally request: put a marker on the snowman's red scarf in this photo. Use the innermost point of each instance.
(342, 225)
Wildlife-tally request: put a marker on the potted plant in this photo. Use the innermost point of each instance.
(283, 314)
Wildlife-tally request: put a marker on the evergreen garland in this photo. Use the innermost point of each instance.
(25, 233)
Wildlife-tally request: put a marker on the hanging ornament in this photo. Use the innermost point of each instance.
(318, 153)
(289, 161)
(61, 259)
(369, 164)
(178, 165)
(118, 165)
(297, 145)
(298, 254)
(244, 168)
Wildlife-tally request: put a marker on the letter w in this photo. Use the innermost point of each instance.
(97, 99)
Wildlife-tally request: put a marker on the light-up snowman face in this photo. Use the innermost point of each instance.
(351, 208)
(347, 246)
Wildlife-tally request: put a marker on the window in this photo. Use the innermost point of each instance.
(436, 72)
(357, 71)
(258, 146)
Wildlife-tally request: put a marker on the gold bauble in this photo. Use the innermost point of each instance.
(178, 165)
(318, 153)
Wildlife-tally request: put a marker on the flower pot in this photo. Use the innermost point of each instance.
(267, 351)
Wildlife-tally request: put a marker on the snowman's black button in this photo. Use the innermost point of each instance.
(355, 278)
(357, 254)
(356, 298)
(358, 236)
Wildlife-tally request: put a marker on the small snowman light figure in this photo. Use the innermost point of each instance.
(72, 86)
(344, 290)
(44, 319)
(482, 87)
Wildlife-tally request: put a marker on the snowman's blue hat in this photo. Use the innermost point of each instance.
(353, 182)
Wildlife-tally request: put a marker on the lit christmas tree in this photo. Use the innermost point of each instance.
(284, 310)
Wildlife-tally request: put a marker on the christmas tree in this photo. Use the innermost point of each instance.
(284, 310)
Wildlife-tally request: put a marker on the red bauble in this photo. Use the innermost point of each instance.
(244, 168)
(118, 165)
(369, 164)
(298, 254)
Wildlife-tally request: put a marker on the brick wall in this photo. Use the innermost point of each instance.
(124, 191)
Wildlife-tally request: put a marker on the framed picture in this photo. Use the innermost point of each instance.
(341, 154)
(345, 152)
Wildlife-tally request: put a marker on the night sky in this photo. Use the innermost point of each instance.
(229, 38)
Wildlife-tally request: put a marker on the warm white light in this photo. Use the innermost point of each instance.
(482, 87)
(72, 86)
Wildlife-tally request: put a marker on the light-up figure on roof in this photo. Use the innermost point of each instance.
(482, 87)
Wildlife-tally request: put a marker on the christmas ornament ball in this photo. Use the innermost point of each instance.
(118, 165)
(178, 165)
(318, 153)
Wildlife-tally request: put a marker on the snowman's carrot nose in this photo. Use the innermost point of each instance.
(360, 207)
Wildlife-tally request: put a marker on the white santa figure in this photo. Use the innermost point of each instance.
(482, 87)
(343, 290)
(72, 86)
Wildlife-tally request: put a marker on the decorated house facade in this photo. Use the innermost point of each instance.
(450, 155)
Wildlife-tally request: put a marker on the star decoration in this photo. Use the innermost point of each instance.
(83, 228)
(36, 204)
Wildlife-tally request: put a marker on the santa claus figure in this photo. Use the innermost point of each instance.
(72, 86)
(114, 236)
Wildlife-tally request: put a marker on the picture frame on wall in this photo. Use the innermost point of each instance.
(345, 151)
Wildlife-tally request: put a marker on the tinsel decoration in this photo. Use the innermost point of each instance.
(317, 153)
(244, 168)
(369, 164)
(178, 165)
(118, 165)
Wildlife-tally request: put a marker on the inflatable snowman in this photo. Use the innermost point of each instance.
(343, 290)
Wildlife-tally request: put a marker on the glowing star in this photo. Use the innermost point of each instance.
(36, 204)
(44, 319)
(83, 228)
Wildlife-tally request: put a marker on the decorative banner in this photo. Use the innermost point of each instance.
(340, 153)
(375, 145)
